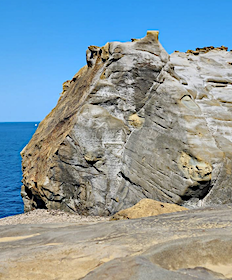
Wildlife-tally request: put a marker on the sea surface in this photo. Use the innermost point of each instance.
(13, 138)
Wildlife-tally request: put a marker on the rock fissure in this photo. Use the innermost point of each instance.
(127, 179)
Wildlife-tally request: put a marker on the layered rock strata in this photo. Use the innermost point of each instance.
(135, 123)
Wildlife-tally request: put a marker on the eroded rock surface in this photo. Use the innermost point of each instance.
(135, 123)
(188, 245)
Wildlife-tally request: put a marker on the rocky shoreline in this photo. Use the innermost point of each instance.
(136, 135)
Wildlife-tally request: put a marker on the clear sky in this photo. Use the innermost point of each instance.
(43, 42)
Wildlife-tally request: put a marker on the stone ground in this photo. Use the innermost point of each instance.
(43, 216)
(194, 244)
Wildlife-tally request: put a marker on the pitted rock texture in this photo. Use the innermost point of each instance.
(135, 123)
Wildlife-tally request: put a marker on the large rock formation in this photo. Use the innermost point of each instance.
(135, 123)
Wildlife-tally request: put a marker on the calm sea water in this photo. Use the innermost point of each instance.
(13, 138)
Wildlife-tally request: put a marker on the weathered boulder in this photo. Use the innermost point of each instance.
(135, 123)
(146, 208)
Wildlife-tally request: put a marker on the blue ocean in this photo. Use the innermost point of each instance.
(13, 138)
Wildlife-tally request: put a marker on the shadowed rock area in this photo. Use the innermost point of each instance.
(135, 123)
(195, 244)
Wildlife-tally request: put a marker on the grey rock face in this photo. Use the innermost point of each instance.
(135, 123)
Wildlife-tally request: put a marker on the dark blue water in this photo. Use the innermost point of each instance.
(13, 138)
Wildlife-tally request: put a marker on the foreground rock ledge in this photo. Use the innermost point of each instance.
(135, 123)
(195, 244)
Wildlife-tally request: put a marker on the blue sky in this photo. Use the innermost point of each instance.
(43, 42)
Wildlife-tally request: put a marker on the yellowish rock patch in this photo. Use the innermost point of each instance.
(145, 208)
(135, 120)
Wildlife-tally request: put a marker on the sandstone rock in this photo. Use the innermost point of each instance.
(135, 123)
(145, 208)
(189, 245)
